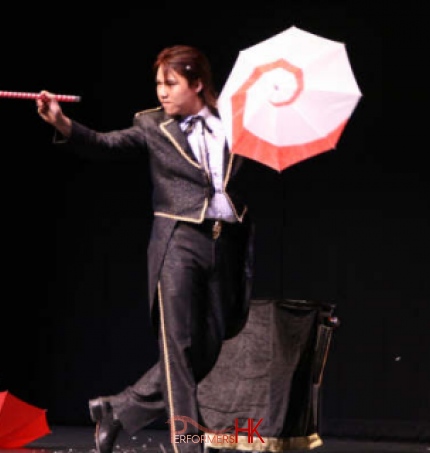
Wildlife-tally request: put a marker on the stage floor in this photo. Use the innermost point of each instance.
(80, 440)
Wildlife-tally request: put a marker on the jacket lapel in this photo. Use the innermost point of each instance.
(232, 163)
(171, 129)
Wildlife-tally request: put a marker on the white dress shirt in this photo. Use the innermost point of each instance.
(219, 206)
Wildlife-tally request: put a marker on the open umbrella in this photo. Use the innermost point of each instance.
(288, 98)
(20, 422)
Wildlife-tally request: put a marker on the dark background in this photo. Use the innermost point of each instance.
(349, 227)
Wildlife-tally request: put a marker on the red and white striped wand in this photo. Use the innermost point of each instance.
(22, 95)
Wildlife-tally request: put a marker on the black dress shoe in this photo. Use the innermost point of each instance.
(107, 428)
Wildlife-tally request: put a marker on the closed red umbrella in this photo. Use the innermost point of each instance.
(20, 422)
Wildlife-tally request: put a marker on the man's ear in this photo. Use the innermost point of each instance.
(199, 86)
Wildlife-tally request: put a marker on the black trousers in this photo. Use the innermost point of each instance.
(197, 294)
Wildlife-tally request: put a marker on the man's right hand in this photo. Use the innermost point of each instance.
(50, 111)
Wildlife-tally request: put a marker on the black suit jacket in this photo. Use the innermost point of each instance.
(181, 189)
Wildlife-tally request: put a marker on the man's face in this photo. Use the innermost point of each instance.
(175, 95)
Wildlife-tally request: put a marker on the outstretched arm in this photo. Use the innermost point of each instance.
(50, 111)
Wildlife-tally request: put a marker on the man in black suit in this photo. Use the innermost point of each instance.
(200, 250)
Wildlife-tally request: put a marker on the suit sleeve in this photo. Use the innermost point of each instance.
(117, 144)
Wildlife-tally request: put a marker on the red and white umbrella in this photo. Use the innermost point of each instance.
(288, 98)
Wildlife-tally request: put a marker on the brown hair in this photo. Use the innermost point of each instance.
(192, 64)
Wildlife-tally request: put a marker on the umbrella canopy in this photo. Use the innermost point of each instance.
(20, 422)
(288, 98)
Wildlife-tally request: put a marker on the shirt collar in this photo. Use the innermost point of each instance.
(204, 112)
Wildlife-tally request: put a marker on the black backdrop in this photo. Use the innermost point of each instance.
(349, 227)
